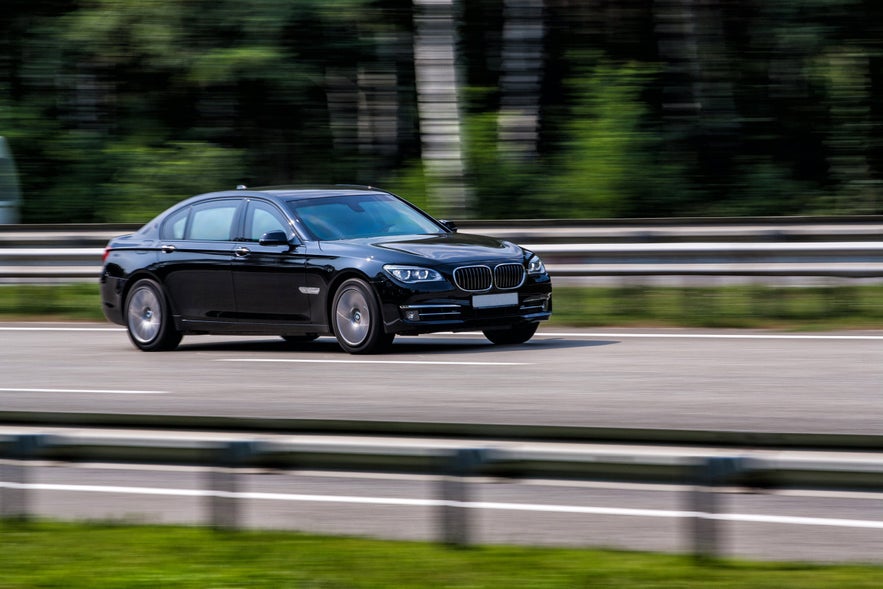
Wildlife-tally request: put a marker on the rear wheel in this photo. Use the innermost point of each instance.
(356, 319)
(148, 319)
(512, 335)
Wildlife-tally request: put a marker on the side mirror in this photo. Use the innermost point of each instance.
(272, 238)
(452, 227)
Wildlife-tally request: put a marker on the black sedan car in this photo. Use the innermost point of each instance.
(354, 262)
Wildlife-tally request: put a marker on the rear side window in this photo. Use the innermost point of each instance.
(174, 226)
(212, 221)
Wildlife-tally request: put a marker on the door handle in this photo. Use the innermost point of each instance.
(241, 251)
(167, 249)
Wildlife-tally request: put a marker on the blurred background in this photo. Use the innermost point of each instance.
(114, 109)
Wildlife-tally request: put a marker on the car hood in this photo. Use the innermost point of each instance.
(445, 247)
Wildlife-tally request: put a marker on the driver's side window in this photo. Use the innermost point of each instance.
(262, 218)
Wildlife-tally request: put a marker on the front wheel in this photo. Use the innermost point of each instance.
(512, 335)
(148, 319)
(356, 319)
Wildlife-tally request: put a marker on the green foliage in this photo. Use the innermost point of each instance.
(604, 145)
(763, 188)
(741, 108)
(153, 178)
(609, 164)
(502, 185)
(411, 184)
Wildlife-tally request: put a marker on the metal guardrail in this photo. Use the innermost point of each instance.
(763, 247)
(703, 477)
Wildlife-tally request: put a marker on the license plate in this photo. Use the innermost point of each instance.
(509, 299)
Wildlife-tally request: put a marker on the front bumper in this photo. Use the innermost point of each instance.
(412, 313)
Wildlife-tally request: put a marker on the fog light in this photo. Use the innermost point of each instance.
(412, 315)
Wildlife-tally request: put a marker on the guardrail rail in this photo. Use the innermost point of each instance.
(767, 248)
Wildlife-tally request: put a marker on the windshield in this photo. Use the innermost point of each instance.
(363, 215)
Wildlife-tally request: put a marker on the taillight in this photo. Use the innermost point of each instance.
(105, 254)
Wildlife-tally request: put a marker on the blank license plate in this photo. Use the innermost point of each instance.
(509, 299)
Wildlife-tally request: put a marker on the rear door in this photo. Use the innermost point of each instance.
(196, 259)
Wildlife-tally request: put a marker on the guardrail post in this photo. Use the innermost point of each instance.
(223, 483)
(454, 516)
(15, 476)
(713, 473)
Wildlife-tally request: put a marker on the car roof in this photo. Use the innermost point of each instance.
(298, 192)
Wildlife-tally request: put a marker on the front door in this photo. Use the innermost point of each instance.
(268, 278)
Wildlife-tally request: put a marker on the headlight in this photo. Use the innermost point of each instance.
(412, 274)
(535, 266)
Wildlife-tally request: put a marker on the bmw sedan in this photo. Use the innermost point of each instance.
(360, 264)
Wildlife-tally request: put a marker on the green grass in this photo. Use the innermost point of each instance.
(75, 302)
(72, 556)
(791, 308)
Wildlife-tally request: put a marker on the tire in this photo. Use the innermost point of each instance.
(356, 319)
(513, 335)
(148, 319)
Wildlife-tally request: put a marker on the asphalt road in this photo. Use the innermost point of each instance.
(739, 380)
(735, 380)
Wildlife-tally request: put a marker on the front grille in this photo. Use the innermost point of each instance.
(509, 275)
(473, 278)
(481, 278)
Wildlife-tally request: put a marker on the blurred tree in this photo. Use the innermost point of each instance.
(438, 96)
(606, 167)
(520, 81)
(487, 107)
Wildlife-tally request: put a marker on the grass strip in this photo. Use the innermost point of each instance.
(789, 308)
(66, 302)
(109, 556)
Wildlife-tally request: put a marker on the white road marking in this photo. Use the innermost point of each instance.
(407, 362)
(721, 336)
(113, 329)
(573, 509)
(761, 336)
(84, 391)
